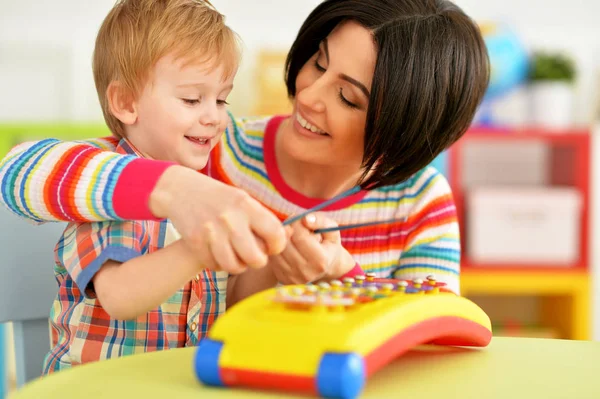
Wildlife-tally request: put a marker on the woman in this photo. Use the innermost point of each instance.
(379, 89)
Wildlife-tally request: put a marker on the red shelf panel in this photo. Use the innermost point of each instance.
(571, 147)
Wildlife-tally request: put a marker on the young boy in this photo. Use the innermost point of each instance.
(163, 71)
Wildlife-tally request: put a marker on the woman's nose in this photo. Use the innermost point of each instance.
(313, 96)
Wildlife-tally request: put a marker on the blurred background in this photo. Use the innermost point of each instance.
(525, 176)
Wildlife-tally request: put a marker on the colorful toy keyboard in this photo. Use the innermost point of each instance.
(327, 339)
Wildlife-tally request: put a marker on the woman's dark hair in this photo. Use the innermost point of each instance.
(431, 73)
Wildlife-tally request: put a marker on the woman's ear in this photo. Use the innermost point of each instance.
(121, 103)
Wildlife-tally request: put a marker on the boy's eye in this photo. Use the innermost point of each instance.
(190, 101)
(222, 102)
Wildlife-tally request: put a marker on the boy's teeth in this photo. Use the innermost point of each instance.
(199, 140)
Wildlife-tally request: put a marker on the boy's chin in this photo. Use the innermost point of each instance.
(196, 164)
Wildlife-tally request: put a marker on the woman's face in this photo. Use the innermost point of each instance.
(332, 95)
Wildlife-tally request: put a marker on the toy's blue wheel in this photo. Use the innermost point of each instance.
(206, 362)
(341, 375)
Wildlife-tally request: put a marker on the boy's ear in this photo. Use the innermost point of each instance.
(121, 103)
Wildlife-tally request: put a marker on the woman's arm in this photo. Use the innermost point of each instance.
(433, 242)
(51, 180)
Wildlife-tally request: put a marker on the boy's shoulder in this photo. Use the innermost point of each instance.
(142, 235)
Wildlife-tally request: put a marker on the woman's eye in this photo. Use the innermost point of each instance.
(345, 101)
(190, 101)
(319, 67)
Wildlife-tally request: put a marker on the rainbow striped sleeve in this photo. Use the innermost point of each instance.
(82, 181)
(433, 240)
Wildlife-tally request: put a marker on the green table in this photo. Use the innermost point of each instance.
(508, 368)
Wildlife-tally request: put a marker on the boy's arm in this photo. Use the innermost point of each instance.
(113, 262)
(433, 240)
(52, 180)
(141, 284)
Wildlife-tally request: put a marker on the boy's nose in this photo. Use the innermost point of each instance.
(210, 116)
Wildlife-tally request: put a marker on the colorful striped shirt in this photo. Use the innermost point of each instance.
(83, 332)
(79, 181)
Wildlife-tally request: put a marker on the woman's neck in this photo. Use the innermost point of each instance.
(309, 179)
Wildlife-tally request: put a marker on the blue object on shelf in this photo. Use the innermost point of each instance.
(509, 62)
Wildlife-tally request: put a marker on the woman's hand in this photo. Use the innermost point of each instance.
(309, 257)
(226, 228)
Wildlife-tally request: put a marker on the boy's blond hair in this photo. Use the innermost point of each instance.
(137, 33)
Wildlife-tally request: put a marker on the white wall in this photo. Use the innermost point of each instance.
(45, 58)
(554, 24)
(55, 38)
(46, 48)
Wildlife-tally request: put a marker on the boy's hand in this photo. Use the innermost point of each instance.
(309, 257)
(226, 228)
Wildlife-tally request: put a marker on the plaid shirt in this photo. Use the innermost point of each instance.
(82, 331)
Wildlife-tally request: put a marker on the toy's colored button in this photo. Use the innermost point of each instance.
(193, 326)
(360, 279)
(297, 291)
(348, 281)
(311, 288)
(431, 280)
(336, 284)
(402, 285)
(324, 286)
(370, 276)
(321, 295)
(387, 288)
(417, 283)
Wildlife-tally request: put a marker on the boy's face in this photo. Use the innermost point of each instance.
(181, 112)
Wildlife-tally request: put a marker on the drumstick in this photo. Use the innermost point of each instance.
(322, 205)
(358, 225)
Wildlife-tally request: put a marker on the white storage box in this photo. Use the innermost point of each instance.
(523, 225)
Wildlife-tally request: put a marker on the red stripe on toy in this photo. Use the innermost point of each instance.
(265, 380)
(446, 330)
